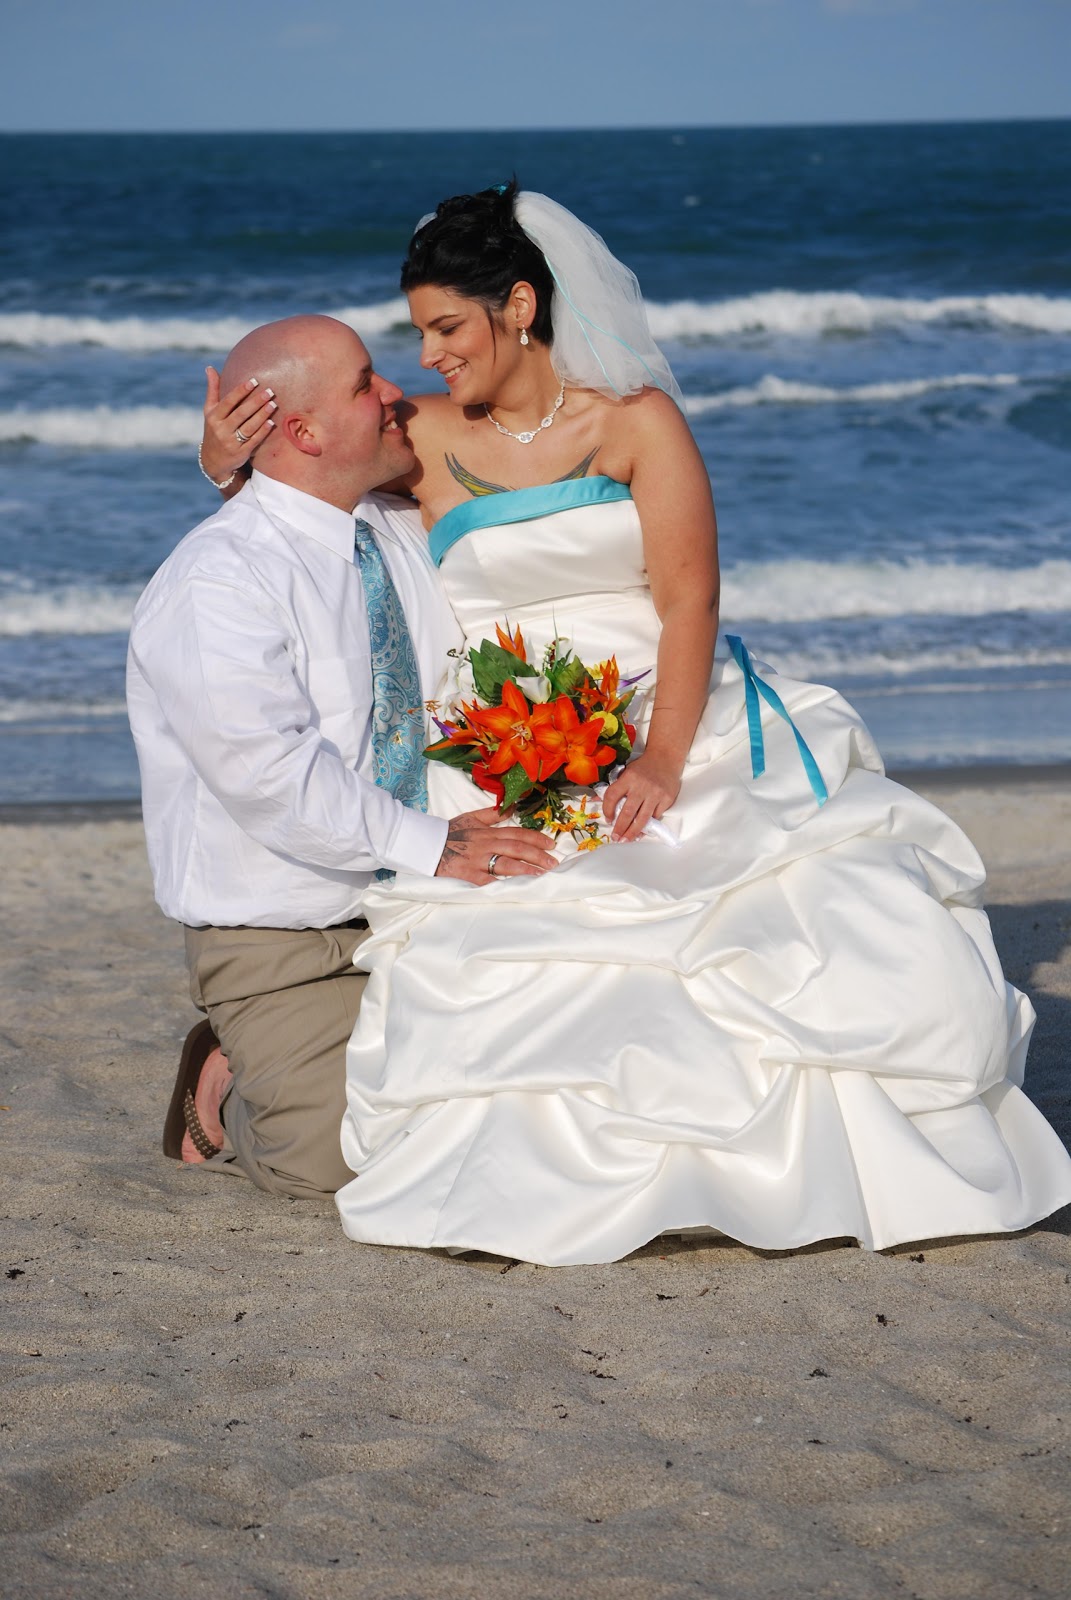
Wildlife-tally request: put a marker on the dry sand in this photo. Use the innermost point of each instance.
(210, 1392)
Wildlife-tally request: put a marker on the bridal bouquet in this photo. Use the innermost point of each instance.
(529, 733)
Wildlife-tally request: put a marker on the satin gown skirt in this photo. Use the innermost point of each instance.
(791, 1026)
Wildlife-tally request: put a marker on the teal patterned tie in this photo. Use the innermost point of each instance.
(397, 719)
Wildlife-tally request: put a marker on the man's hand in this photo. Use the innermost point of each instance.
(472, 839)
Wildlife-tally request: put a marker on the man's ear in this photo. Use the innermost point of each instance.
(298, 430)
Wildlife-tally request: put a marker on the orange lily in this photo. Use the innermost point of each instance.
(574, 744)
(516, 727)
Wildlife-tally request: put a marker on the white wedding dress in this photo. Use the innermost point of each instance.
(792, 1026)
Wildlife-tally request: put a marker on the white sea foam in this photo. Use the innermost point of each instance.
(106, 428)
(179, 427)
(53, 710)
(34, 329)
(773, 311)
(784, 311)
(825, 665)
(771, 390)
(75, 609)
(774, 591)
(806, 591)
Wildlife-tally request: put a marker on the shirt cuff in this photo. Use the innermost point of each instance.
(418, 843)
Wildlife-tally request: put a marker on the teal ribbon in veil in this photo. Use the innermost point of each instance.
(754, 686)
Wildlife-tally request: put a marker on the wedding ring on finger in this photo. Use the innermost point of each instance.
(491, 865)
(240, 436)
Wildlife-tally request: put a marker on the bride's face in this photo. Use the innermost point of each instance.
(470, 348)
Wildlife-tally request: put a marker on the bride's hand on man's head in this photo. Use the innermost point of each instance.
(646, 789)
(246, 410)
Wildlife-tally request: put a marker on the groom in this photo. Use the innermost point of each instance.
(279, 660)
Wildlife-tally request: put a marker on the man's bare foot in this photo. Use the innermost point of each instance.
(216, 1078)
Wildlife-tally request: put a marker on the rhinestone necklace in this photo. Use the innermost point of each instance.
(526, 438)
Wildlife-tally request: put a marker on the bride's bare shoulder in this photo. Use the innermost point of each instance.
(649, 408)
(427, 415)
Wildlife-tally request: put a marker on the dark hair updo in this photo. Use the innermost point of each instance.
(475, 246)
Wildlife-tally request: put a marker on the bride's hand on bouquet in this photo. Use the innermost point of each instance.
(647, 788)
(478, 851)
(245, 410)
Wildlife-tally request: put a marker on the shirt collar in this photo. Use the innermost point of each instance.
(315, 518)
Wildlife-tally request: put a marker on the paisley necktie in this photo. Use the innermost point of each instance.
(397, 719)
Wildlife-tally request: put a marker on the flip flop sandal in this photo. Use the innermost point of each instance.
(182, 1115)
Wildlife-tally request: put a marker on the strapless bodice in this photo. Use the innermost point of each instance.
(565, 560)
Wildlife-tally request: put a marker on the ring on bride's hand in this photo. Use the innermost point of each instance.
(491, 865)
(240, 436)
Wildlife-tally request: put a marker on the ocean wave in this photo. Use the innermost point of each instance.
(823, 591)
(773, 311)
(137, 335)
(53, 709)
(179, 427)
(785, 311)
(105, 428)
(771, 390)
(790, 591)
(907, 669)
(71, 609)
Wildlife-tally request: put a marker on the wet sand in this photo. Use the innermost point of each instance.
(210, 1392)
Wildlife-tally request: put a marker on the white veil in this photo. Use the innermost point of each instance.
(601, 338)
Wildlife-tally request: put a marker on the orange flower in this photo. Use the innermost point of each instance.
(514, 726)
(513, 643)
(610, 681)
(489, 783)
(572, 743)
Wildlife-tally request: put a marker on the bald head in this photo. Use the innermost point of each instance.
(289, 356)
(334, 433)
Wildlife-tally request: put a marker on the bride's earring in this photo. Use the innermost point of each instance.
(524, 335)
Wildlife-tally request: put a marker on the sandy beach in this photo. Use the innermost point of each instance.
(210, 1392)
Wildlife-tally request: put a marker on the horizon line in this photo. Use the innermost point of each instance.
(593, 127)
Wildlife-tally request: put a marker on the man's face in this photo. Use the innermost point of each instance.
(363, 444)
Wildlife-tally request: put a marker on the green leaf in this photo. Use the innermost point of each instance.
(568, 675)
(492, 667)
(517, 785)
(455, 755)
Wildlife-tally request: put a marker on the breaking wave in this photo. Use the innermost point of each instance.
(773, 311)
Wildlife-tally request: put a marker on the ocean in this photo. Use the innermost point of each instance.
(871, 326)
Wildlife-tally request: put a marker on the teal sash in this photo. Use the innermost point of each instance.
(754, 686)
(521, 505)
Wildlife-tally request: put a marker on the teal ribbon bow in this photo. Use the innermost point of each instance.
(754, 686)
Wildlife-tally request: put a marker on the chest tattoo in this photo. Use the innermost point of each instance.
(478, 486)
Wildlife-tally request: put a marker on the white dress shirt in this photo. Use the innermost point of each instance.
(249, 689)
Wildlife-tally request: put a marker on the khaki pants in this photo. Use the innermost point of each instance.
(282, 1003)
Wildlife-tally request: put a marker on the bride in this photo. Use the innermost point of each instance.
(782, 1018)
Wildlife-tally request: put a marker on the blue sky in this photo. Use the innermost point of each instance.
(420, 64)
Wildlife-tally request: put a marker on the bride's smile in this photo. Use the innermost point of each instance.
(479, 354)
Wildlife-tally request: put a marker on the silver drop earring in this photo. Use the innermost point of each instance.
(524, 335)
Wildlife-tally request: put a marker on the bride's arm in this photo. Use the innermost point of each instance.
(671, 490)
